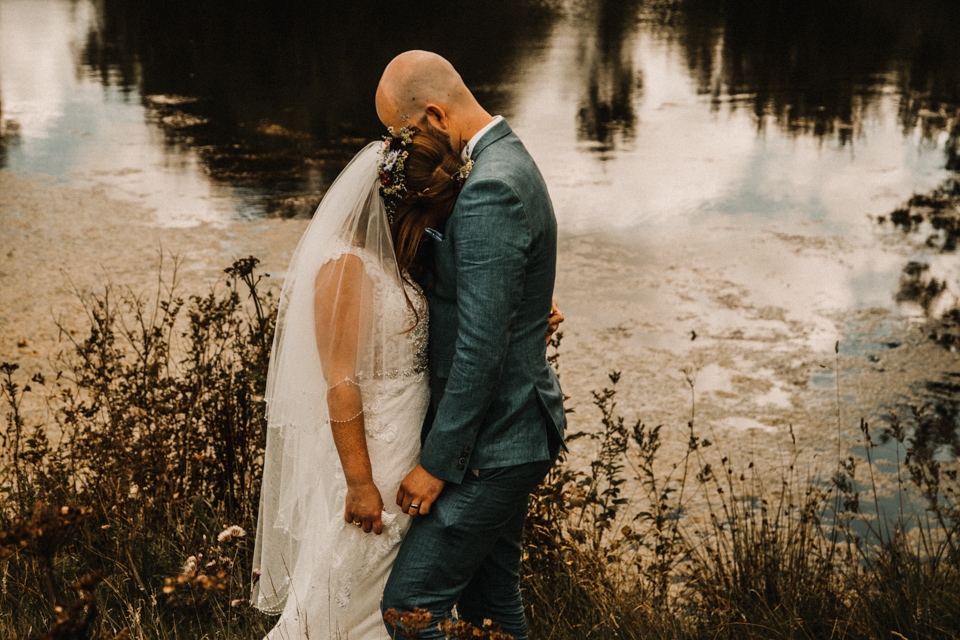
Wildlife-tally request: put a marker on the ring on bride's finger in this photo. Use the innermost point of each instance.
(358, 523)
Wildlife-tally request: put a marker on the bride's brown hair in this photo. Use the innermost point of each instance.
(431, 193)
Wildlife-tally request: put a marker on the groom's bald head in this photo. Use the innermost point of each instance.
(420, 84)
(414, 79)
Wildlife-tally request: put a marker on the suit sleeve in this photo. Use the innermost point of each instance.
(491, 247)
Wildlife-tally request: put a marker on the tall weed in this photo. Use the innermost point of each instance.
(704, 550)
(125, 516)
(159, 416)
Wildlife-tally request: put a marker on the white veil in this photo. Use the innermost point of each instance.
(329, 329)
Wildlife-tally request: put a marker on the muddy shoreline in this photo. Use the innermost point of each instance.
(689, 332)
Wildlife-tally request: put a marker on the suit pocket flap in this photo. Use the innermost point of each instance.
(442, 368)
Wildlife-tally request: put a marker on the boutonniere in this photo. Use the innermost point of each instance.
(461, 175)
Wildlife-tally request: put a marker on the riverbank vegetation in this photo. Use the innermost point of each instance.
(128, 506)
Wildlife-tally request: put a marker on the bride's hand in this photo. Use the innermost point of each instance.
(364, 506)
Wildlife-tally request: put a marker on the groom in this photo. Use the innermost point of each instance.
(496, 421)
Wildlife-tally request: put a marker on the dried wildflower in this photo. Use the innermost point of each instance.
(461, 175)
(230, 533)
(390, 616)
(410, 624)
(192, 587)
(390, 169)
(190, 566)
(462, 630)
(76, 619)
(47, 528)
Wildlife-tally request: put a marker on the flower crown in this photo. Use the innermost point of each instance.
(393, 155)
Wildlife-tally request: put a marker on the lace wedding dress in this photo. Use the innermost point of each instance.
(324, 575)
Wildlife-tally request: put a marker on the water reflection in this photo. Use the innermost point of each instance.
(275, 98)
(933, 431)
(918, 287)
(932, 284)
(9, 130)
(936, 213)
(606, 115)
(818, 66)
(282, 94)
(953, 145)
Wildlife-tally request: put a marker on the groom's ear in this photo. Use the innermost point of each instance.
(437, 116)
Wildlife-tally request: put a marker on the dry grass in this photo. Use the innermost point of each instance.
(125, 526)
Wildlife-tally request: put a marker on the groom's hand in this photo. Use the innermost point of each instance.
(553, 322)
(419, 489)
(364, 506)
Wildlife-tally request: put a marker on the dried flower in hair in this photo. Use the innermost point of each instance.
(394, 153)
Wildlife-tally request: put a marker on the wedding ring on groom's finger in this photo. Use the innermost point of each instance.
(358, 523)
(415, 507)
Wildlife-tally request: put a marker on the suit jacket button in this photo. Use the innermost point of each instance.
(459, 467)
(466, 449)
(462, 461)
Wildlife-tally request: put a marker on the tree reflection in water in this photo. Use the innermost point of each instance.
(3, 137)
(281, 94)
(818, 66)
(606, 115)
(936, 428)
(9, 134)
(936, 216)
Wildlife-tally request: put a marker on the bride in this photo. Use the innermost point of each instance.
(347, 390)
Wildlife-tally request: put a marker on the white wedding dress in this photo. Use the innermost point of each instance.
(324, 575)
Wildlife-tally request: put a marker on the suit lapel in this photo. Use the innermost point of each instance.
(499, 130)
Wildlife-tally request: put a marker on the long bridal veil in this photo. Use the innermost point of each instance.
(329, 305)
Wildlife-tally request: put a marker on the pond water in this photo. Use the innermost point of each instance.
(725, 172)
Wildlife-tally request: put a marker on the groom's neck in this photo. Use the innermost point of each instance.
(474, 121)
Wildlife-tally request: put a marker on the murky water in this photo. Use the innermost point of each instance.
(724, 171)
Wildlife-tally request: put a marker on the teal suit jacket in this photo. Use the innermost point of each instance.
(494, 397)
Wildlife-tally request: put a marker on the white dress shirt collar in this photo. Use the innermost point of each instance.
(468, 150)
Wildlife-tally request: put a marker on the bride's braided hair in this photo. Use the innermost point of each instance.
(431, 192)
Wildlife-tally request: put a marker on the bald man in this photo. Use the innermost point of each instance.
(496, 422)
